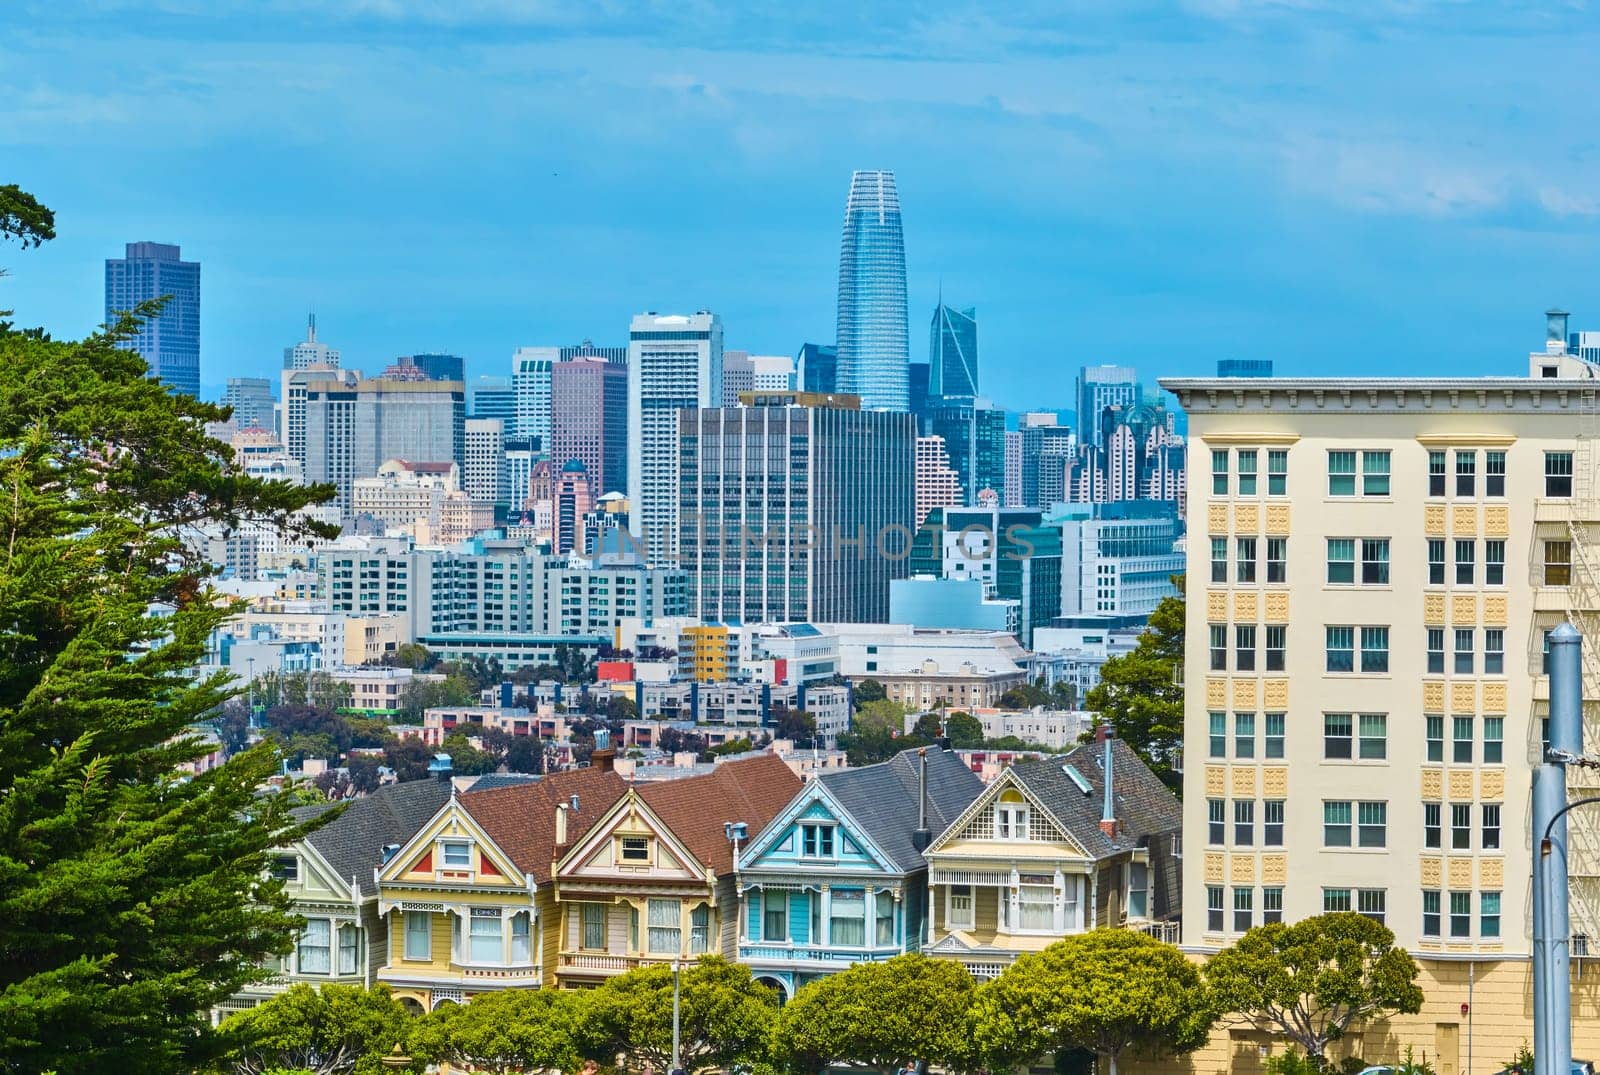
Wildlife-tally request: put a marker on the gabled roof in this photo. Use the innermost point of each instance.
(696, 807)
(521, 819)
(1143, 805)
(352, 843)
(883, 799)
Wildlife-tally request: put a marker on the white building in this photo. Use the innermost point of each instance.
(938, 485)
(530, 381)
(485, 476)
(1117, 558)
(772, 373)
(309, 354)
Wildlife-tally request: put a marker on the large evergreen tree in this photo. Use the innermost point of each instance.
(1140, 694)
(131, 897)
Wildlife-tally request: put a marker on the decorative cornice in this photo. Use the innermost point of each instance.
(1384, 395)
(1250, 438)
(1488, 440)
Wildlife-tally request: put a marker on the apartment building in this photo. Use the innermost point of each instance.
(1365, 687)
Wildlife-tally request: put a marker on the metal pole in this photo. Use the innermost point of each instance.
(1552, 986)
(677, 1051)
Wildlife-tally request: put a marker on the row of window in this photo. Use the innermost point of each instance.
(1367, 473)
(1371, 902)
(1247, 472)
(1340, 649)
(488, 942)
(663, 927)
(1350, 823)
(1461, 826)
(1364, 561)
(1244, 822)
(1359, 736)
(1275, 637)
(786, 917)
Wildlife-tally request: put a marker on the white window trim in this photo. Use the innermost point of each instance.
(444, 862)
(950, 919)
(1020, 818)
(405, 936)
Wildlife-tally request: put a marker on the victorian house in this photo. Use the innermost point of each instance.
(838, 877)
(1055, 846)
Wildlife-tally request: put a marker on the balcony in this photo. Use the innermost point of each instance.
(1166, 932)
(808, 953)
(597, 964)
(518, 976)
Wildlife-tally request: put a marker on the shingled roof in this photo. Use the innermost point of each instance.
(883, 799)
(1143, 805)
(353, 843)
(521, 819)
(696, 808)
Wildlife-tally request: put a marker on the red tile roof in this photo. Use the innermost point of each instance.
(522, 819)
(695, 808)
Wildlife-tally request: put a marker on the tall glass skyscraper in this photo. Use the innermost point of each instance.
(953, 352)
(170, 342)
(873, 340)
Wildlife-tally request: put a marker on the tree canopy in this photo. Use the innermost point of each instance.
(725, 1017)
(335, 1030)
(511, 1030)
(24, 218)
(1140, 694)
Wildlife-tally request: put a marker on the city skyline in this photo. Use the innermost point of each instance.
(1044, 181)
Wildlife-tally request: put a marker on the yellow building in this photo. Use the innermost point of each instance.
(708, 652)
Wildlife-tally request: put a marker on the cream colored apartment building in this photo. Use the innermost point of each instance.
(1372, 567)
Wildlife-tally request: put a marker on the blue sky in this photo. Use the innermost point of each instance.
(1387, 186)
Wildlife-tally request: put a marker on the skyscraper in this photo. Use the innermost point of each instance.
(1099, 389)
(738, 376)
(953, 352)
(493, 397)
(974, 432)
(589, 420)
(674, 362)
(441, 367)
(251, 400)
(483, 473)
(817, 368)
(873, 338)
(169, 342)
(309, 354)
(353, 428)
(572, 499)
(530, 378)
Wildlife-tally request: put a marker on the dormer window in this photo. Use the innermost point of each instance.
(816, 841)
(1011, 817)
(286, 868)
(456, 855)
(635, 849)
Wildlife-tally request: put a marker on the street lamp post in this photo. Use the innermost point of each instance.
(677, 1051)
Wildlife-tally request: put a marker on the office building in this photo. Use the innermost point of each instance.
(252, 402)
(953, 352)
(738, 376)
(170, 341)
(519, 473)
(1015, 553)
(917, 391)
(309, 354)
(572, 499)
(1099, 389)
(1012, 496)
(872, 335)
(938, 486)
(1118, 559)
(530, 379)
(589, 419)
(799, 507)
(587, 349)
(1048, 453)
(772, 373)
(296, 388)
(493, 397)
(440, 367)
(353, 428)
(1244, 367)
(817, 368)
(974, 433)
(674, 363)
(484, 476)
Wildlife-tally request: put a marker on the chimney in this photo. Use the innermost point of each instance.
(1108, 814)
(561, 825)
(923, 836)
(604, 755)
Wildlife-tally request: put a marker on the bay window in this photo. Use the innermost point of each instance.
(885, 918)
(349, 949)
(847, 918)
(522, 938)
(1036, 907)
(666, 927)
(315, 948)
(486, 936)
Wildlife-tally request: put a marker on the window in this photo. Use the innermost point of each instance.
(1341, 561)
(1247, 471)
(1219, 559)
(1271, 905)
(775, 916)
(349, 949)
(1277, 635)
(1557, 473)
(1430, 825)
(1436, 561)
(484, 937)
(286, 868)
(1466, 559)
(1461, 740)
(1341, 649)
(1491, 827)
(959, 912)
(1436, 473)
(884, 929)
(1370, 903)
(1219, 473)
(1219, 647)
(1214, 908)
(1273, 735)
(594, 925)
(1244, 568)
(1138, 890)
(1488, 914)
(419, 935)
(1430, 912)
(1373, 729)
(816, 841)
(1216, 822)
(699, 930)
(1375, 561)
(457, 855)
(1244, 655)
(1374, 473)
(1244, 822)
(1461, 826)
(1460, 914)
(1243, 909)
(1036, 907)
(1335, 899)
(1465, 655)
(1433, 725)
(1436, 650)
(1466, 473)
(635, 849)
(1011, 821)
(1219, 735)
(666, 925)
(1372, 824)
(521, 938)
(1494, 473)
(1277, 559)
(1494, 562)
(1277, 472)
(314, 952)
(1374, 649)
(1272, 823)
(1244, 735)
(1494, 651)
(1341, 473)
(1336, 824)
(1338, 735)
(1558, 563)
(1494, 735)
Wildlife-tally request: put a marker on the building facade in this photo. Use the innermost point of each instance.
(589, 420)
(531, 372)
(353, 428)
(170, 341)
(953, 352)
(252, 402)
(484, 477)
(938, 485)
(974, 434)
(873, 345)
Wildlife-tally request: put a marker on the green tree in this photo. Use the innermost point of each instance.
(411, 655)
(879, 1015)
(1140, 694)
(1311, 980)
(869, 690)
(512, 1030)
(964, 730)
(131, 901)
(466, 759)
(1113, 992)
(881, 715)
(23, 218)
(525, 755)
(725, 1016)
(337, 1030)
(419, 695)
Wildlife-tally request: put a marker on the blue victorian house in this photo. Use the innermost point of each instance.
(838, 877)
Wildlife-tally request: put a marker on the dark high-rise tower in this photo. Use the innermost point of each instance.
(873, 343)
(169, 342)
(953, 352)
